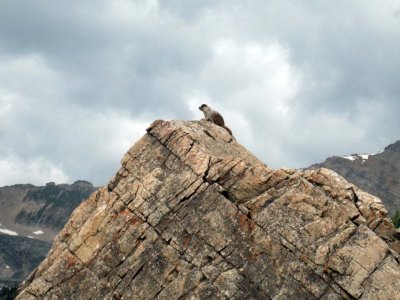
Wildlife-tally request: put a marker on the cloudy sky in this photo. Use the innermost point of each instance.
(296, 80)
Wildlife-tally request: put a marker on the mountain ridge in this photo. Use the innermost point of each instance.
(378, 174)
(27, 208)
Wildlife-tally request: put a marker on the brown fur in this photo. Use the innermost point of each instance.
(214, 116)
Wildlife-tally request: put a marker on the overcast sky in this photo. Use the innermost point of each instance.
(297, 81)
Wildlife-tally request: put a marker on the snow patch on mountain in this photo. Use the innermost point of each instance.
(355, 157)
(350, 157)
(9, 232)
(362, 157)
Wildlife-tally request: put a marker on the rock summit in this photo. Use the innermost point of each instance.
(191, 214)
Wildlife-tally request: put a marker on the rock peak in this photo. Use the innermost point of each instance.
(193, 214)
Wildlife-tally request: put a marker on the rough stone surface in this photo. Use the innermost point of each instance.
(191, 214)
(377, 174)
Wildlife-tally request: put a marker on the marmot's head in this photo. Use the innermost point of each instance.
(203, 106)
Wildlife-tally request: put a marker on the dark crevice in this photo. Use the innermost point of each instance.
(354, 218)
(209, 134)
(30, 278)
(164, 144)
(377, 267)
(163, 286)
(191, 147)
(168, 137)
(269, 202)
(356, 199)
(191, 289)
(351, 297)
(226, 195)
(177, 209)
(205, 179)
(159, 292)
(188, 197)
(30, 294)
(131, 280)
(318, 184)
(64, 280)
(328, 288)
(221, 179)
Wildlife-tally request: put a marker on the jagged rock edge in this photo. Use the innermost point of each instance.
(294, 250)
(204, 177)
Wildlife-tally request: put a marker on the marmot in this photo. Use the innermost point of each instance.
(214, 116)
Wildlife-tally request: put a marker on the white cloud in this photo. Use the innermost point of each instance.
(30, 77)
(36, 171)
(46, 137)
(110, 132)
(295, 81)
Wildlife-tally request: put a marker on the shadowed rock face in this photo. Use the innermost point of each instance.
(191, 214)
(18, 257)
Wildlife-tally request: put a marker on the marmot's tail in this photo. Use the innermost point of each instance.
(227, 128)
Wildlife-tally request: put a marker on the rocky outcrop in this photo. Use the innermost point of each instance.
(191, 214)
(378, 174)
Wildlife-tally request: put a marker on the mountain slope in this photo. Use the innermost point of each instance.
(192, 214)
(19, 256)
(378, 174)
(40, 212)
(30, 217)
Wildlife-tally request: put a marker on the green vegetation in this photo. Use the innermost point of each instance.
(8, 292)
(396, 219)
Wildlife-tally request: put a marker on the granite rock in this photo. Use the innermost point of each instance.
(191, 214)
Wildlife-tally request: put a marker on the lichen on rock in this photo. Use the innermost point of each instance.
(192, 214)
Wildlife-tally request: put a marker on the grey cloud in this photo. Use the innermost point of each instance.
(297, 81)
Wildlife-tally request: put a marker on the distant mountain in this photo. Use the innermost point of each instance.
(19, 256)
(378, 173)
(30, 217)
(40, 211)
